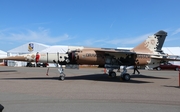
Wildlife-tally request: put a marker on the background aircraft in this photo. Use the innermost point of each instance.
(147, 53)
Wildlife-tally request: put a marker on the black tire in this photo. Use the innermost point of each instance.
(126, 77)
(113, 74)
(33, 65)
(30, 64)
(62, 78)
(44, 65)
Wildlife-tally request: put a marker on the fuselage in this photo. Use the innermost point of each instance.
(92, 57)
(89, 56)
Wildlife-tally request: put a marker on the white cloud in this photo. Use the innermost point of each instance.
(176, 32)
(128, 41)
(116, 42)
(172, 39)
(112, 24)
(44, 36)
(88, 42)
(41, 35)
(91, 42)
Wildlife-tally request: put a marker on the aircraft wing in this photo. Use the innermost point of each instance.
(123, 51)
(127, 57)
(120, 52)
(115, 58)
(115, 51)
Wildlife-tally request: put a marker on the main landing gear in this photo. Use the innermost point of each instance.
(60, 70)
(124, 75)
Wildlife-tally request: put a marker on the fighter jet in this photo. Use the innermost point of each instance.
(147, 53)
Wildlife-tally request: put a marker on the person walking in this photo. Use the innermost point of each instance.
(1, 108)
(136, 69)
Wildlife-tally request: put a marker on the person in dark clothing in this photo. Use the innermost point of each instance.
(1, 108)
(135, 69)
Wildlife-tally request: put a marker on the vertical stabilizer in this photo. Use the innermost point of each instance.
(152, 44)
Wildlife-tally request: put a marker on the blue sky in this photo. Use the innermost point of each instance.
(95, 23)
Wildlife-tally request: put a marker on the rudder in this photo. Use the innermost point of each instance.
(152, 44)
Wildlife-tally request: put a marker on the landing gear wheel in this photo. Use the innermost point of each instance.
(62, 77)
(113, 74)
(126, 77)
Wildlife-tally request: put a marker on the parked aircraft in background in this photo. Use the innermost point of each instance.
(147, 53)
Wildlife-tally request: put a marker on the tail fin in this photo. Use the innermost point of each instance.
(152, 44)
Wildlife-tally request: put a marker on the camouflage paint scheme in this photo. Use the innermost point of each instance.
(140, 55)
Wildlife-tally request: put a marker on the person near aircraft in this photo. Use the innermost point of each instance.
(1, 108)
(136, 69)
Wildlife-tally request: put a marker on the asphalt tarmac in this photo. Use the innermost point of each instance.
(25, 89)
